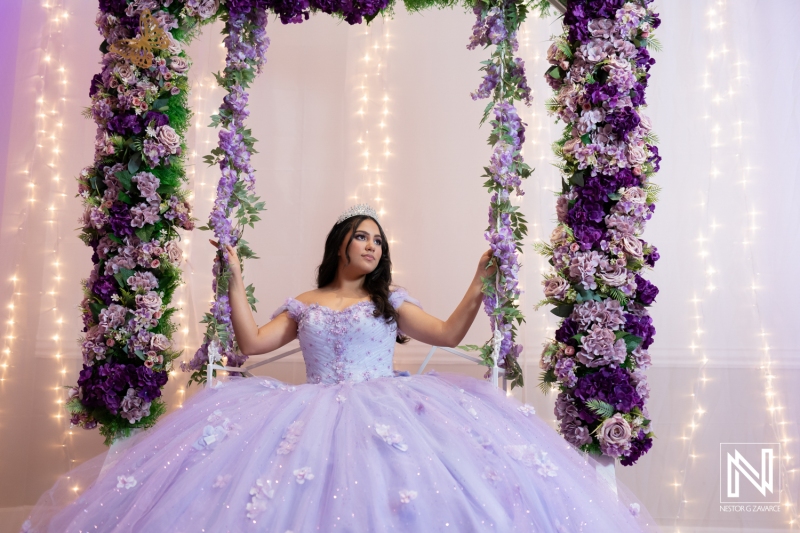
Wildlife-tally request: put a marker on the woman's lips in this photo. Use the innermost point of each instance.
(368, 257)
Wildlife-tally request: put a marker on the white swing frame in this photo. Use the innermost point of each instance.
(211, 366)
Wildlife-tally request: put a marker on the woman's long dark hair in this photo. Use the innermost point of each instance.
(376, 282)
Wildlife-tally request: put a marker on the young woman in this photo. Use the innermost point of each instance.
(356, 449)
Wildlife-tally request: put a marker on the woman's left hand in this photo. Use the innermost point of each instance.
(483, 271)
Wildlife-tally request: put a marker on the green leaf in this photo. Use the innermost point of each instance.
(123, 197)
(601, 408)
(577, 178)
(632, 341)
(554, 72)
(124, 178)
(134, 163)
(145, 233)
(563, 310)
(586, 138)
(162, 104)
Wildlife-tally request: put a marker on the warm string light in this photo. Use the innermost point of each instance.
(720, 133)
(46, 191)
(541, 192)
(374, 144)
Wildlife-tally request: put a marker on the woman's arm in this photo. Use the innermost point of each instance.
(253, 340)
(423, 327)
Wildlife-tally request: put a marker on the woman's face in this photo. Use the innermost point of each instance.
(364, 249)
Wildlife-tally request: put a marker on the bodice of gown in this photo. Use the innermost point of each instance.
(349, 345)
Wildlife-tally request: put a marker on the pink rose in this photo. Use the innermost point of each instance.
(150, 300)
(562, 208)
(635, 195)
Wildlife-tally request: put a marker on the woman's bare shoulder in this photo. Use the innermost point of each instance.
(309, 297)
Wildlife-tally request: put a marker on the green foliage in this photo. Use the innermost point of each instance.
(414, 6)
(547, 380)
(601, 408)
(115, 427)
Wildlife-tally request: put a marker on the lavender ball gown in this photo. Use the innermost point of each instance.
(353, 450)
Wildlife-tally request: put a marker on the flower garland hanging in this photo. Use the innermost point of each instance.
(504, 82)
(600, 69)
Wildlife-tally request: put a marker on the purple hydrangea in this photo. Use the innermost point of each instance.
(646, 292)
(612, 385)
(639, 446)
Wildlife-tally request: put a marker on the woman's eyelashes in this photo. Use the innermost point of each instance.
(364, 237)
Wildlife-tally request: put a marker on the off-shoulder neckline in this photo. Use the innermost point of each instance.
(332, 310)
(337, 311)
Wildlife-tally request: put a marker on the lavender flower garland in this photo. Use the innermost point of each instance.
(600, 71)
(247, 44)
(505, 82)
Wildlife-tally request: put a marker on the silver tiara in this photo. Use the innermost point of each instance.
(356, 210)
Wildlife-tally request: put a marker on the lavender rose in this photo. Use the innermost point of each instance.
(555, 287)
(614, 435)
(160, 342)
(174, 253)
(150, 300)
(202, 8)
(169, 139)
(178, 64)
(632, 246)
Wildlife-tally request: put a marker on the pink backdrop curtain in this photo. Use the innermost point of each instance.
(383, 115)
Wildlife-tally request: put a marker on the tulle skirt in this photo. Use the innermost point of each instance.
(428, 453)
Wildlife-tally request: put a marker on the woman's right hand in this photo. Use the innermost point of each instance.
(233, 258)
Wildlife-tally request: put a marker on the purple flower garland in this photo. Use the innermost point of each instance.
(600, 69)
(134, 205)
(505, 82)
